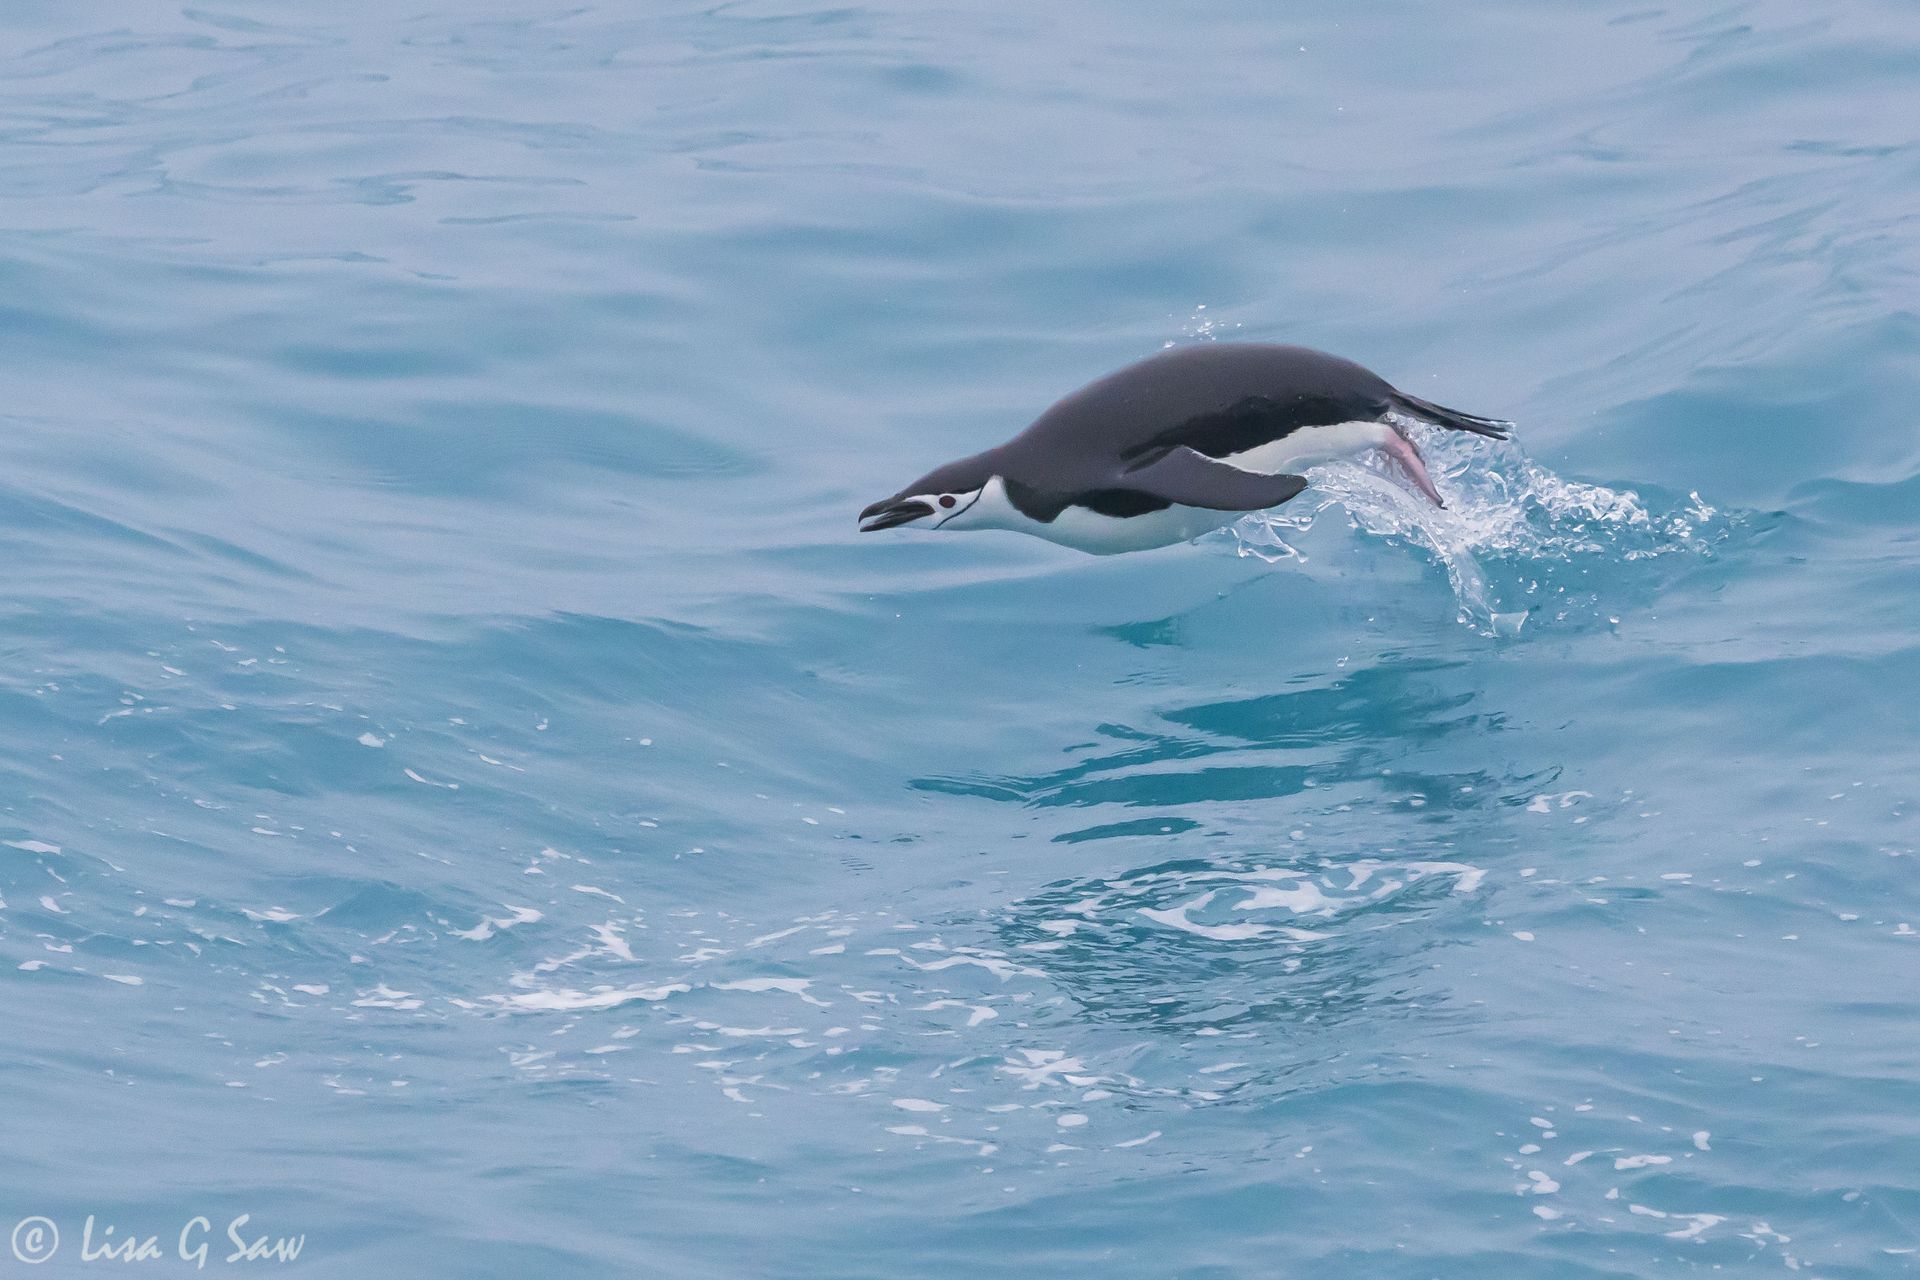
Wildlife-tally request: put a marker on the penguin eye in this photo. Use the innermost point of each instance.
(946, 499)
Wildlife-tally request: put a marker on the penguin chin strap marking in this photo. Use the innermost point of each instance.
(955, 515)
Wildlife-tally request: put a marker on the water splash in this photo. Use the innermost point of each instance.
(1517, 541)
(1201, 327)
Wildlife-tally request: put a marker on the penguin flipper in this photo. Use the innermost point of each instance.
(1192, 479)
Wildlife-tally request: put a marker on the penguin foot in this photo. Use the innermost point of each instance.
(1401, 450)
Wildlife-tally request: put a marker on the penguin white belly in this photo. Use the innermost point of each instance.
(1086, 530)
(1300, 449)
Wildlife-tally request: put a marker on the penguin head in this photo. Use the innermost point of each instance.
(944, 496)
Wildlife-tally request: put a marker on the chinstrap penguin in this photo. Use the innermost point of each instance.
(1173, 446)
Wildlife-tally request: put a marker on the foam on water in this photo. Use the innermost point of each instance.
(1514, 537)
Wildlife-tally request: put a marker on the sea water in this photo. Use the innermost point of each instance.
(474, 805)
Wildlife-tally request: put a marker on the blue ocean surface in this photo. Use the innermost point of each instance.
(474, 805)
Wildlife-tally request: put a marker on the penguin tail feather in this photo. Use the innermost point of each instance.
(1452, 419)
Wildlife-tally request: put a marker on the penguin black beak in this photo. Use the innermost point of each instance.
(890, 512)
